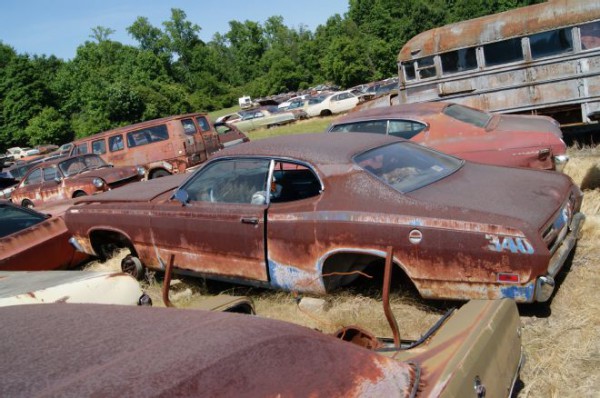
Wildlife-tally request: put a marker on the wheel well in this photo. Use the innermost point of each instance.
(326, 112)
(105, 243)
(158, 172)
(79, 192)
(347, 268)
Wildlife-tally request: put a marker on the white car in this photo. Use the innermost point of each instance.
(19, 153)
(338, 102)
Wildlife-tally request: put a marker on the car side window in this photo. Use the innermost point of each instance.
(49, 173)
(34, 178)
(15, 219)
(405, 128)
(115, 143)
(99, 147)
(231, 181)
(292, 181)
(369, 126)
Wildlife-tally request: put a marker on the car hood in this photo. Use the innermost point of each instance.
(518, 123)
(503, 194)
(110, 174)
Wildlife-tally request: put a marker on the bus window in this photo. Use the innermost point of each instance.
(115, 143)
(409, 71)
(80, 149)
(147, 136)
(99, 147)
(550, 43)
(590, 35)
(426, 67)
(459, 60)
(503, 52)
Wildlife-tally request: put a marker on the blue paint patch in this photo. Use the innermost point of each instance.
(290, 278)
(416, 223)
(518, 293)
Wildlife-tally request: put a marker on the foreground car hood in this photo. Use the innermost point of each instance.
(502, 193)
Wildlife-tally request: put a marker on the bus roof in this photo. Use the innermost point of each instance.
(513, 23)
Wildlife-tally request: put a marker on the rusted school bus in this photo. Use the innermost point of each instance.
(541, 59)
(163, 146)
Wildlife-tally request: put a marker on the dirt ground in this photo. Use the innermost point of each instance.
(561, 338)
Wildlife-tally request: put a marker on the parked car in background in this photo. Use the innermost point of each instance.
(96, 350)
(262, 117)
(332, 103)
(75, 176)
(308, 212)
(45, 287)
(468, 133)
(163, 146)
(32, 241)
(18, 153)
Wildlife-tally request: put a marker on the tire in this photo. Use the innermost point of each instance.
(133, 266)
(79, 194)
(159, 174)
(27, 203)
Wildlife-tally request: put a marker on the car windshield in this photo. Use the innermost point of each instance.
(78, 164)
(406, 167)
(468, 115)
(14, 219)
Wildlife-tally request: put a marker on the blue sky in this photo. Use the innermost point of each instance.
(57, 27)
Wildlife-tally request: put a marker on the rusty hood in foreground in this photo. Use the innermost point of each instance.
(117, 351)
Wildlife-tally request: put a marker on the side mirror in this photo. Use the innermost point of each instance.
(181, 196)
(57, 179)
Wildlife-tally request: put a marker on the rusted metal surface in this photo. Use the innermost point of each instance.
(481, 340)
(185, 141)
(167, 283)
(42, 287)
(505, 140)
(56, 181)
(36, 243)
(564, 85)
(455, 238)
(387, 279)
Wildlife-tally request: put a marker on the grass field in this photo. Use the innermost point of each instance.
(561, 338)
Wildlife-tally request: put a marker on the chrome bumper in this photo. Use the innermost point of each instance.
(560, 161)
(545, 284)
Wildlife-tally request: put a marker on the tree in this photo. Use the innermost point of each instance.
(100, 33)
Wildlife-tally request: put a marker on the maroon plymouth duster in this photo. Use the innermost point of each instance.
(311, 212)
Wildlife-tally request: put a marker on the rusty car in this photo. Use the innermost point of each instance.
(66, 178)
(92, 287)
(32, 241)
(101, 350)
(165, 146)
(311, 212)
(468, 133)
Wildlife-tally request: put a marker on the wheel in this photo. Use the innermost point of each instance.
(79, 194)
(133, 266)
(159, 173)
(27, 203)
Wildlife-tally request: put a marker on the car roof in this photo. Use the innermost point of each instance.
(315, 148)
(422, 109)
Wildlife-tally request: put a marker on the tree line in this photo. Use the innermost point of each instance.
(47, 100)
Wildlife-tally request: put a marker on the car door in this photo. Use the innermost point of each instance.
(52, 189)
(220, 230)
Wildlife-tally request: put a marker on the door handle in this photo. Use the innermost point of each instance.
(250, 220)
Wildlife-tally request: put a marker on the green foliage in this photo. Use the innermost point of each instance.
(172, 71)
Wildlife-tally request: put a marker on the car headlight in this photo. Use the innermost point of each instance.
(141, 171)
(98, 182)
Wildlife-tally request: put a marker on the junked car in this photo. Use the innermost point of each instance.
(332, 103)
(468, 133)
(75, 176)
(93, 287)
(310, 212)
(474, 351)
(262, 117)
(32, 241)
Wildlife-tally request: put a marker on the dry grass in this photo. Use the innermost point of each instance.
(561, 339)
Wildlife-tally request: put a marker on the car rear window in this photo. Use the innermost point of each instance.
(468, 115)
(406, 167)
(13, 219)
